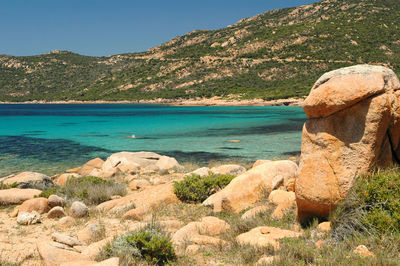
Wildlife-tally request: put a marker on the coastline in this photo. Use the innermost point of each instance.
(183, 102)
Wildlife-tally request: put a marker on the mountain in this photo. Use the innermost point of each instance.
(277, 54)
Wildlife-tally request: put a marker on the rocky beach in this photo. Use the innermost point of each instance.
(144, 208)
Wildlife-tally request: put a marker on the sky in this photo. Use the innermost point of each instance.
(107, 27)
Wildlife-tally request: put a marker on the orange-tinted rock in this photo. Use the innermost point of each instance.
(324, 227)
(29, 180)
(253, 212)
(91, 165)
(52, 255)
(249, 187)
(282, 209)
(354, 126)
(279, 196)
(363, 251)
(40, 205)
(228, 169)
(17, 195)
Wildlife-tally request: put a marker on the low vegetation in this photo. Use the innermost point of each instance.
(195, 188)
(89, 189)
(149, 244)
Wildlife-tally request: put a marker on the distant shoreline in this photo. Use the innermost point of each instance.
(190, 102)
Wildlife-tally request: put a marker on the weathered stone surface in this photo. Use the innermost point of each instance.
(55, 200)
(56, 212)
(79, 210)
(228, 169)
(40, 205)
(147, 199)
(260, 162)
(65, 239)
(52, 255)
(354, 126)
(324, 227)
(142, 159)
(27, 218)
(62, 179)
(29, 180)
(363, 251)
(108, 262)
(248, 188)
(138, 184)
(279, 196)
(91, 165)
(93, 250)
(91, 233)
(166, 163)
(266, 260)
(265, 236)
(282, 209)
(67, 221)
(203, 171)
(17, 195)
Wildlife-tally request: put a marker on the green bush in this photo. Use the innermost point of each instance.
(372, 205)
(89, 189)
(148, 243)
(4, 186)
(197, 189)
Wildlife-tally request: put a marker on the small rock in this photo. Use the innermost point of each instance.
(63, 179)
(115, 197)
(253, 212)
(79, 210)
(52, 255)
(56, 212)
(228, 169)
(193, 249)
(279, 196)
(67, 221)
(138, 184)
(40, 205)
(265, 260)
(324, 227)
(203, 171)
(319, 243)
(25, 218)
(55, 200)
(234, 141)
(92, 232)
(282, 209)
(212, 226)
(64, 239)
(93, 250)
(363, 251)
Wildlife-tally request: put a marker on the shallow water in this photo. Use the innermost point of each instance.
(50, 138)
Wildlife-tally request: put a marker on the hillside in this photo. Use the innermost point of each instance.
(278, 54)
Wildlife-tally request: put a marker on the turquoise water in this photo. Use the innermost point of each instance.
(50, 138)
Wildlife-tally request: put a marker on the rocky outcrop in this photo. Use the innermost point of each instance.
(248, 188)
(29, 180)
(354, 125)
(40, 205)
(17, 195)
(91, 167)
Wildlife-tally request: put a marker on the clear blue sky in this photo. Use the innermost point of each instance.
(105, 27)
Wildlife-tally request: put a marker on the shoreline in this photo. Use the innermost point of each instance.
(181, 102)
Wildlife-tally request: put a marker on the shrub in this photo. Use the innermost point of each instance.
(372, 205)
(4, 186)
(197, 189)
(89, 189)
(148, 243)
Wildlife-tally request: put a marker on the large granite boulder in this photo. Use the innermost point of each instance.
(353, 126)
(29, 180)
(17, 195)
(248, 188)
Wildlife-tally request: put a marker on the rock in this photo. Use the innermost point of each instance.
(260, 162)
(212, 226)
(363, 251)
(64, 239)
(131, 169)
(91, 233)
(67, 221)
(265, 236)
(207, 241)
(248, 188)
(166, 163)
(138, 184)
(40, 205)
(290, 184)
(142, 159)
(282, 209)
(29, 180)
(324, 227)
(228, 169)
(277, 182)
(17, 195)
(234, 140)
(62, 179)
(55, 200)
(139, 213)
(265, 260)
(87, 168)
(353, 126)
(73, 170)
(279, 196)
(319, 244)
(93, 250)
(52, 255)
(203, 171)
(193, 249)
(79, 210)
(148, 199)
(253, 212)
(56, 212)
(108, 262)
(27, 218)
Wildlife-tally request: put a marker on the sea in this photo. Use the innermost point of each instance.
(50, 138)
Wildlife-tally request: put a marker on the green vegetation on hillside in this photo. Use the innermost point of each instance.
(278, 54)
